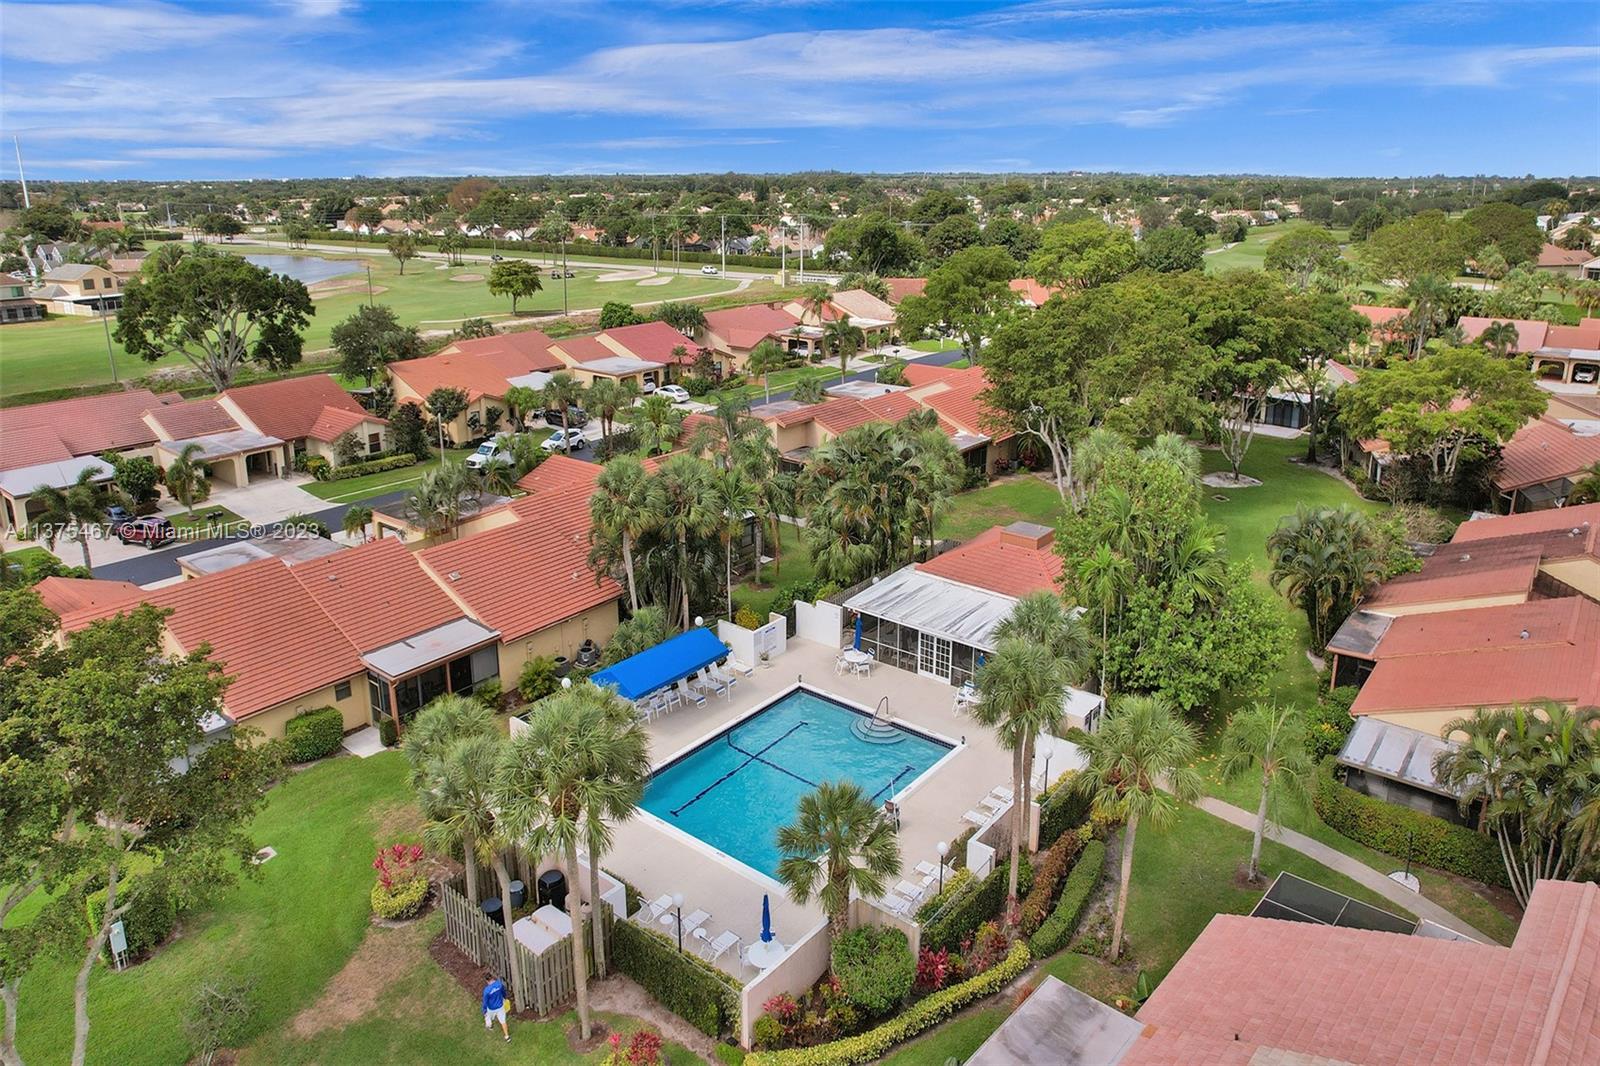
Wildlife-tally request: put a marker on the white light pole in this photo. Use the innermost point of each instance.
(677, 907)
(943, 849)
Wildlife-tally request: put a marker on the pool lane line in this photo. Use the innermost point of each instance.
(768, 762)
(698, 795)
(895, 780)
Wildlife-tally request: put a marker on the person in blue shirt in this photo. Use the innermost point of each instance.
(494, 1005)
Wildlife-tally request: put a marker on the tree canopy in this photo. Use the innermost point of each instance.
(1082, 254)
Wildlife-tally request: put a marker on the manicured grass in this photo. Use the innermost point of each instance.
(290, 930)
(1250, 253)
(356, 489)
(1024, 497)
(793, 565)
(939, 344)
(952, 1042)
(754, 393)
(1089, 974)
(25, 559)
(204, 515)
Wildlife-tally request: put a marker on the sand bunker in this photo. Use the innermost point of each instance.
(339, 286)
(658, 280)
(466, 277)
(626, 275)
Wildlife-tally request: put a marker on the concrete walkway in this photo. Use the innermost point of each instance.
(1354, 869)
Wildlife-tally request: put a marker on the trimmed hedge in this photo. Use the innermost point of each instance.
(405, 900)
(314, 734)
(919, 1018)
(1393, 829)
(373, 466)
(874, 966)
(1057, 929)
(1047, 878)
(690, 988)
(147, 923)
(972, 908)
(1064, 808)
(575, 249)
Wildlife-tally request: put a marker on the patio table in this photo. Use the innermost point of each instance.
(765, 954)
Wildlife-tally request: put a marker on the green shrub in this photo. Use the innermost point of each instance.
(488, 693)
(958, 848)
(316, 466)
(1057, 929)
(747, 618)
(147, 923)
(1064, 808)
(974, 907)
(1047, 880)
(372, 466)
(919, 1018)
(767, 1032)
(874, 966)
(730, 1054)
(405, 900)
(538, 678)
(1328, 721)
(314, 734)
(695, 385)
(387, 732)
(689, 987)
(1398, 830)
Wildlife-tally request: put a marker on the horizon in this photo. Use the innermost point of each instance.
(333, 89)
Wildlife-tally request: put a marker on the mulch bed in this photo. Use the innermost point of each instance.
(468, 974)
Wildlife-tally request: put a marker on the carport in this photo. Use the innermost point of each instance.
(17, 508)
(234, 458)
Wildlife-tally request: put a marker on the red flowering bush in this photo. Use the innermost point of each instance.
(643, 1049)
(398, 864)
(782, 1007)
(989, 947)
(933, 969)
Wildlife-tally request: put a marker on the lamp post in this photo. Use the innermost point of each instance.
(1047, 748)
(677, 907)
(111, 356)
(943, 849)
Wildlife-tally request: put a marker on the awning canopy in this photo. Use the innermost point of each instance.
(1397, 752)
(934, 605)
(58, 474)
(405, 657)
(657, 667)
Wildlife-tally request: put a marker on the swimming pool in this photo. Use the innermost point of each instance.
(735, 790)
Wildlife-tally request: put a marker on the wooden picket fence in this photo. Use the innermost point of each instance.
(541, 983)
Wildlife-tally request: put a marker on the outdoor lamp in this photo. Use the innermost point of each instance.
(677, 907)
(566, 682)
(943, 849)
(1046, 748)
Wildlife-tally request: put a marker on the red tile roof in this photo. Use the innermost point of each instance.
(334, 422)
(1553, 255)
(1032, 291)
(1585, 335)
(79, 600)
(745, 327)
(1530, 331)
(85, 425)
(1001, 560)
(583, 349)
(481, 366)
(1378, 316)
(1559, 519)
(289, 407)
(376, 594)
(653, 342)
(533, 573)
(1479, 658)
(1493, 569)
(1268, 991)
(962, 403)
(1544, 450)
(919, 374)
(900, 288)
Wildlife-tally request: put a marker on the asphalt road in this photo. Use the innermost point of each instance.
(161, 565)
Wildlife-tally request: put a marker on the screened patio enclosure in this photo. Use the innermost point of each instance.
(926, 624)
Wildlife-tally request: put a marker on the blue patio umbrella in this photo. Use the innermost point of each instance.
(980, 658)
(766, 919)
(858, 633)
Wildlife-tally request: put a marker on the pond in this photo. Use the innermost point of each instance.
(306, 269)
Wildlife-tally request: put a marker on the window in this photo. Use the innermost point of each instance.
(374, 443)
(88, 283)
(341, 691)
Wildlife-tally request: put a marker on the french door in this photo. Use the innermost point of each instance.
(933, 656)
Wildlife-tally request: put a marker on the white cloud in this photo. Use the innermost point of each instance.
(68, 33)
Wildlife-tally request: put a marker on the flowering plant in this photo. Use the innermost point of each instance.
(397, 864)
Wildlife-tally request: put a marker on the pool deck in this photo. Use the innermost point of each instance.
(660, 861)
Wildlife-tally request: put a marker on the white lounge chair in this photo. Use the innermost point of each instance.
(656, 907)
(670, 697)
(1003, 792)
(909, 891)
(708, 682)
(994, 803)
(726, 678)
(695, 920)
(977, 818)
(689, 695)
(739, 666)
(927, 869)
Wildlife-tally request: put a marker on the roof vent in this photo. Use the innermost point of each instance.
(1524, 634)
(455, 575)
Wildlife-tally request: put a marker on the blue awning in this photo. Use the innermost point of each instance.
(657, 667)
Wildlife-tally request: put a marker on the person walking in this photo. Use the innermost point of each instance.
(494, 1005)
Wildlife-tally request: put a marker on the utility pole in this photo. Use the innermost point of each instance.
(563, 274)
(802, 253)
(110, 355)
(369, 284)
(724, 244)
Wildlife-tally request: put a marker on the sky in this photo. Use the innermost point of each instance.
(308, 88)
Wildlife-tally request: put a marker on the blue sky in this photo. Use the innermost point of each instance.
(339, 87)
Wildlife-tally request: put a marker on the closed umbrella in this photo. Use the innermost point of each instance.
(858, 633)
(766, 919)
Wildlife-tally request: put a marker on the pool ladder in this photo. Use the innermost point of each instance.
(878, 729)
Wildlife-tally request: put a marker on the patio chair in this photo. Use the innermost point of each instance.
(658, 705)
(724, 942)
(739, 666)
(655, 908)
(1003, 792)
(709, 683)
(839, 665)
(976, 818)
(670, 698)
(909, 891)
(695, 920)
(726, 678)
(689, 695)
(897, 903)
(927, 869)
(994, 803)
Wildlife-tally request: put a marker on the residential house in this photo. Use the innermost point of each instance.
(15, 303)
(483, 368)
(1385, 326)
(80, 289)
(1031, 292)
(981, 433)
(900, 288)
(650, 353)
(1542, 461)
(734, 332)
(126, 265)
(44, 256)
(1554, 259)
(1568, 354)
(874, 317)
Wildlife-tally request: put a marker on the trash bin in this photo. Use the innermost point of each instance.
(519, 895)
(553, 889)
(493, 911)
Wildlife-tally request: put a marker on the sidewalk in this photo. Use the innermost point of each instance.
(1354, 869)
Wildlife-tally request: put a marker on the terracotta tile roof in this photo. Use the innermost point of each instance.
(582, 349)
(1345, 375)
(1480, 660)
(376, 594)
(962, 403)
(1585, 335)
(84, 425)
(900, 288)
(289, 407)
(1032, 291)
(1267, 991)
(859, 303)
(1553, 255)
(891, 406)
(919, 374)
(533, 573)
(1491, 569)
(1003, 560)
(192, 418)
(480, 366)
(1545, 450)
(843, 413)
(651, 341)
(334, 422)
(745, 327)
(1530, 331)
(1561, 518)
(79, 600)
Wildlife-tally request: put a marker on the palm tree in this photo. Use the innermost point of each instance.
(607, 397)
(933, 472)
(1587, 488)
(581, 760)
(686, 513)
(627, 503)
(186, 477)
(838, 842)
(1091, 455)
(1427, 296)
(1324, 558)
(1499, 338)
(759, 460)
(657, 424)
(730, 426)
(442, 497)
(451, 748)
(1141, 744)
(730, 499)
(763, 360)
(1102, 578)
(70, 512)
(562, 393)
(356, 520)
(1174, 448)
(1272, 739)
(842, 340)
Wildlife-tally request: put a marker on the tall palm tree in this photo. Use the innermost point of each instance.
(656, 423)
(356, 520)
(1102, 578)
(725, 434)
(612, 790)
(838, 842)
(814, 300)
(186, 476)
(1139, 768)
(448, 790)
(759, 460)
(562, 393)
(1499, 338)
(580, 761)
(521, 401)
(933, 472)
(607, 398)
(627, 503)
(1271, 739)
(763, 360)
(1427, 296)
(1174, 448)
(69, 513)
(1324, 558)
(442, 498)
(730, 500)
(686, 513)
(842, 340)
(1091, 454)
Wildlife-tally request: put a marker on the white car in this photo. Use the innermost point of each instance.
(492, 452)
(675, 393)
(708, 269)
(567, 441)
(1583, 377)
(647, 387)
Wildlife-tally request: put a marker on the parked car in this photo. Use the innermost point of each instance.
(708, 269)
(492, 452)
(564, 440)
(116, 515)
(153, 531)
(675, 393)
(576, 416)
(498, 258)
(1584, 377)
(647, 387)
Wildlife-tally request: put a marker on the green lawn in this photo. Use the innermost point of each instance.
(939, 344)
(793, 565)
(356, 489)
(1024, 497)
(205, 515)
(1252, 251)
(951, 1042)
(753, 392)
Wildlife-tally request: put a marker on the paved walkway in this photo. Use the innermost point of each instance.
(1354, 869)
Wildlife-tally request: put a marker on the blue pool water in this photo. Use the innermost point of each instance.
(735, 790)
(306, 269)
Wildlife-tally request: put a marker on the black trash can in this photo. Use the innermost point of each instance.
(519, 895)
(493, 911)
(553, 889)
